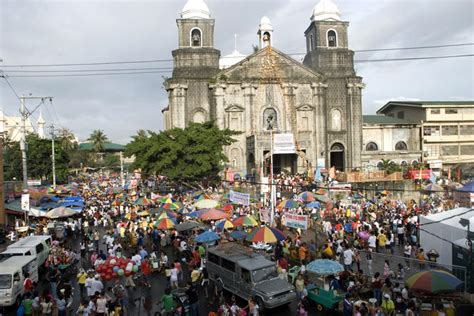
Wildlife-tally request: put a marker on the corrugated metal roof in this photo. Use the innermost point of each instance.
(382, 119)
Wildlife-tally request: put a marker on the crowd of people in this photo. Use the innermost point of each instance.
(120, 224)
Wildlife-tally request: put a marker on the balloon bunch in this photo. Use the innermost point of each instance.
(116, 267)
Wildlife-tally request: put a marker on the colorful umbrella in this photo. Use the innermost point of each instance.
(288, 204)
(165, 223)
(227, 208)
(314, 204)
(167, 214)
(321, 191)
(201, 196)
(205, 203)
(434, 281)
(213, 214)
(60, 212)
(324, 267)
(166, 200)
(224, 224)
(207, 237)
(322, 198)
(306, 196)
(247, 220)
(170, 206)
(266, 235)
(195, 214)
(143, 201)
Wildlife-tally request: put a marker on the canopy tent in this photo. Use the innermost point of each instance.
(437, 229)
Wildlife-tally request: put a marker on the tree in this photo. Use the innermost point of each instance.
(390, 166)
(183, 155)
(111, 161)
(38, 160)
(66, 139)
(98, 140)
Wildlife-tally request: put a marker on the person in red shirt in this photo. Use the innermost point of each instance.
(28, 283)
(146, 269)
(283, 263)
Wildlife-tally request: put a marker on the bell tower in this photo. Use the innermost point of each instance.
(196, 42)
(328, 53)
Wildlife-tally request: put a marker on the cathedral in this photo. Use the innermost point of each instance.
(307, 114)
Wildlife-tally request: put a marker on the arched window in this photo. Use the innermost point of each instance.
(199, 117)
(270, 120)
(401, 145)
(332, 38)
(380, 165)
(311, 43)
(196, 37)
(336, 120)
(235, 157)
(371, 147)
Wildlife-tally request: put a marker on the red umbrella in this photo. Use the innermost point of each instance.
(213, 214)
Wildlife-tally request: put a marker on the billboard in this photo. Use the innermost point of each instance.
(284, 144)
(296, 221)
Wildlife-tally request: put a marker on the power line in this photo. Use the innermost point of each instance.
(167, 70)
(89, 70)
(223, 57)
(11, 87)
(92, 74)
(410, 48)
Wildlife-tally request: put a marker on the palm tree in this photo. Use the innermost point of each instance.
(67, 139)
(98, 140)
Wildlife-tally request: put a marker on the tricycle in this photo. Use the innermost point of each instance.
(324, 299)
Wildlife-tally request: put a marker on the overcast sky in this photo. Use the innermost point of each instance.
(73, 31)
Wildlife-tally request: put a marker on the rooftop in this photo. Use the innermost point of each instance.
(382, 119)
(424, 104)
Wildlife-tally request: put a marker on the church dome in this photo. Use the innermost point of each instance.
(195, 9)
(266, 24)
(231, 59)
(326, 10)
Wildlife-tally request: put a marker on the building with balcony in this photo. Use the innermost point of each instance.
(390, 138)
(447, 129)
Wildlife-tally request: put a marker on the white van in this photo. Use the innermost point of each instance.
(37, 246)
(12, 278)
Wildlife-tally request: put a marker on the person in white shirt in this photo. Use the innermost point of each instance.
(372, 241)
(101, 305)
(348, 256)
(88, 285)
(97, 285)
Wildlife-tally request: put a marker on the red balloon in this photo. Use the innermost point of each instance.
(127, 273)
(103, 275)
(108, 277)
(114, 275)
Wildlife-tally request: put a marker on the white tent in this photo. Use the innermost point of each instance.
(439, 231)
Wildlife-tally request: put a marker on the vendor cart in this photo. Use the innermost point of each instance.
(324, 299)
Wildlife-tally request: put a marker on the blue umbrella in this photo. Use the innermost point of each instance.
(207, 237)
(237, 234)
(194, 214)
(468, 187)
(315, 204)
(325, 266)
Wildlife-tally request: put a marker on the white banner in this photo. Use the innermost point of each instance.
(340, 187)
(240, 198)
(283, 144)
(25, 202)
(265, 188)
(33, 182)
(296, 221)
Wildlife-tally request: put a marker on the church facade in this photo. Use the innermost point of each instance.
(311, 110)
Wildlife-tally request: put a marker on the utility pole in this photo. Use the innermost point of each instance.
(25, 114)
(3, 219)
(121, 169)
(53, 156)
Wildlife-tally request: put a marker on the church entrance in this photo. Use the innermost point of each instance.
(286, 163)
(337, 156)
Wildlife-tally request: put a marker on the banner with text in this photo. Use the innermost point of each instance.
(284, 144)
(25, 202)
(296, 221)
(264, 215)
(239, 198)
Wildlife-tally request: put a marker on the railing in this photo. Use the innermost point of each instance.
(357, 176)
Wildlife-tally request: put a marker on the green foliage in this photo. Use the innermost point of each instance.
(98, 140)
(111, 161)
(191, 154)
(66, 139)
(39, 160)
(390, 166)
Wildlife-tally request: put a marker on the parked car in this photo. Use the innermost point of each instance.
(247, 274)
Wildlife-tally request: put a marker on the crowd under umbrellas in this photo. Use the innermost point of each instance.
(147, 234)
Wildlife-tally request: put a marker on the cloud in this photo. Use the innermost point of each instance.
(69, 31)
